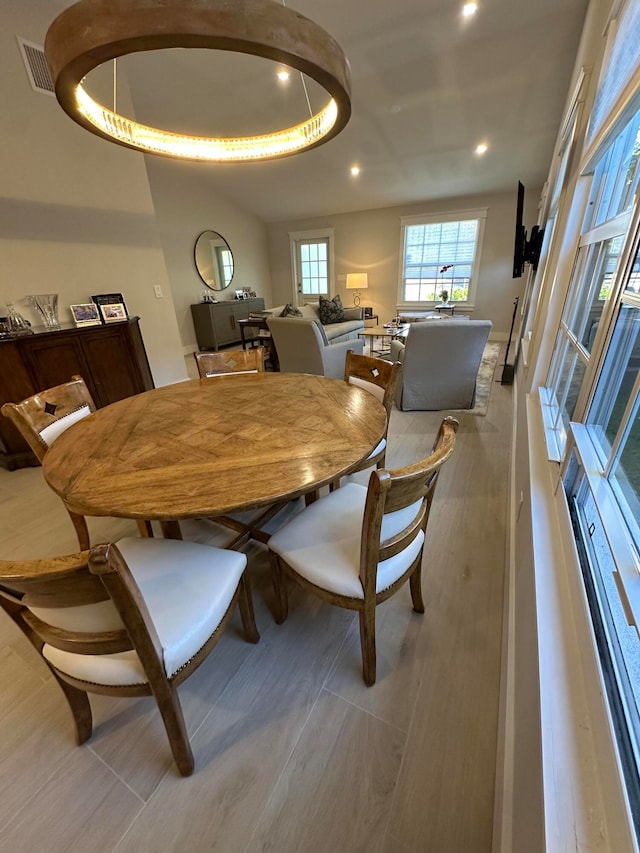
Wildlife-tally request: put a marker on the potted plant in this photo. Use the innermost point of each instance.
(444, 294)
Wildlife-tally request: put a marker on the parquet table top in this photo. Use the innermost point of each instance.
(213, 446)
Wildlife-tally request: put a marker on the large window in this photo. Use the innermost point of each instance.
(593, 284)
(594, 393)
(586, 352)
(614, 417)
(441, 253)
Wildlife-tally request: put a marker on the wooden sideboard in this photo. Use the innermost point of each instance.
(110, 358)
(216, 323)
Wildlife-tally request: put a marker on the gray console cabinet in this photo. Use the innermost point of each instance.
(216, 323)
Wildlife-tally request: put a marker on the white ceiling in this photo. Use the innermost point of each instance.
(427, 87)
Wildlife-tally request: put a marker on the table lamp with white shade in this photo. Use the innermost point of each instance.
(357, 281)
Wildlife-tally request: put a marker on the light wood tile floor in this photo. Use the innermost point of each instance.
(293, 753)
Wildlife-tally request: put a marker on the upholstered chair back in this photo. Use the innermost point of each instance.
(440, 363)
(302, 347)
(44, 416)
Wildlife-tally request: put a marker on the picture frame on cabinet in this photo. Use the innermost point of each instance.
(102, 299)
(114, 312)
(86, 314)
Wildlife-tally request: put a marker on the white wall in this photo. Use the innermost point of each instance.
(184, 207)
(370, 241)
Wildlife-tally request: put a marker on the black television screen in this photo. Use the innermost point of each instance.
(520, 237)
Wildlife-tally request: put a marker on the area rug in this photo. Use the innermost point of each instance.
(484, 382)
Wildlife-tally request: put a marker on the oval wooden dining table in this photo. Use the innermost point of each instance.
(210, 447)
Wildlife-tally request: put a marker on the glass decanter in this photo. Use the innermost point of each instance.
(16, 324)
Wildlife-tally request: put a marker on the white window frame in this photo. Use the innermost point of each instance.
(479, 214)
(552, 212)
(297, 237)
(580, 440)
(619, 225)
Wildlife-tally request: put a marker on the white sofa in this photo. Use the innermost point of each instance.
(440, 363)
(347, 330)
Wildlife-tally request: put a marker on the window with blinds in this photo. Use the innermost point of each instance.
(440, 255)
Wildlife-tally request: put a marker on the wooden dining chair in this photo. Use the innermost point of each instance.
(44, 416)
(356, 546)
(132, 619)
(230, 361)
(380, 378)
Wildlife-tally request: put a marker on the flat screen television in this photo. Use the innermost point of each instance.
(525, 251)
(520, 237)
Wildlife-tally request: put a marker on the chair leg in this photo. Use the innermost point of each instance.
(279, 588)
(311, 497)
(245, 603)
(77, 700)
(173, 719)
(415, 585)
(82, 531)
(80, 708)
(171, 529)
(367, 618)
(145, 529)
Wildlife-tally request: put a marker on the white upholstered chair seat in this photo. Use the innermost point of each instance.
(322, 544)
(187, 588)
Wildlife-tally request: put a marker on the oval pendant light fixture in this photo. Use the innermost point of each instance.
(92, 32)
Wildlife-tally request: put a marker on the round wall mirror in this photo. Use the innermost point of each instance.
(214, 260)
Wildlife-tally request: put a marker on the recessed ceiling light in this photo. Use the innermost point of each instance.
(283, 75)
(482, 148)
(355, 171)
(469, 9)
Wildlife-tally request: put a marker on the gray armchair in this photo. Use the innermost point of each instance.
(302, 347)
(440, 363)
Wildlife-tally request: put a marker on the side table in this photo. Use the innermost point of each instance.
(263, 337)
(385, 334)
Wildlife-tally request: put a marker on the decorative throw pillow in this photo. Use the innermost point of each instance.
(290, 310)
(331, 310)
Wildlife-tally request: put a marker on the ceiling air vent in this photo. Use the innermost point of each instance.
(36, 65)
